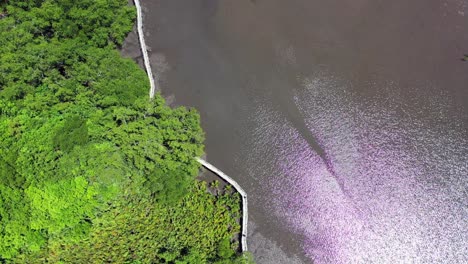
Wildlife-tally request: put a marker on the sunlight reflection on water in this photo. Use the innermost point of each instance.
(399, 193)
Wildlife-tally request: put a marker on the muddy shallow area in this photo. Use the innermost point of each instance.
(345, 120)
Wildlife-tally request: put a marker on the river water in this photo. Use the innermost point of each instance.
(346, 121)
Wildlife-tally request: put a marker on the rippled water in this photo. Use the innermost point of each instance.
(398, 190)
(346, 121)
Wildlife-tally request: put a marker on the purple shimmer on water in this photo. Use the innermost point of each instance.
(346, 121)
(391, 199)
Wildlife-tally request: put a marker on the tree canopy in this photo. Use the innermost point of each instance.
(90, 169)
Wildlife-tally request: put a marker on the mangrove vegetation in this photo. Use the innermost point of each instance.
(91, 171)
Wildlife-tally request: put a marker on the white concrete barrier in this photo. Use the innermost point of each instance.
(144, 50)
(201, 161)
(243, 194)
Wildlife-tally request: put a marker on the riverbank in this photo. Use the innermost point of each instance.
(113, 177)
(365, 80)
(263, 246)
(223, 176)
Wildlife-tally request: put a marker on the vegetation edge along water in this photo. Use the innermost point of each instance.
(91, 171)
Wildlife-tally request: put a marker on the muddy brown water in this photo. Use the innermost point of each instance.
(344, 120)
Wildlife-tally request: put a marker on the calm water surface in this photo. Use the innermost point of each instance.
(346, 121)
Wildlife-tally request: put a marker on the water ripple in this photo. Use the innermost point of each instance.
(403, 166)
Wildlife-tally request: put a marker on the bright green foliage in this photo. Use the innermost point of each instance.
(224, 249)
(60, 205)
(14, 215)
(139, 230)
(90, 169)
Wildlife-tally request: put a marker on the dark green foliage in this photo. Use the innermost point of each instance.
(85, 157)
(167, 186)
(95, 22)
(8, 175)
(74, 133)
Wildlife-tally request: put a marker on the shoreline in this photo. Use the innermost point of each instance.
(237, 61)
(204, 163)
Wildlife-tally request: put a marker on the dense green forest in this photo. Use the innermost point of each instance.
(91, 171)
